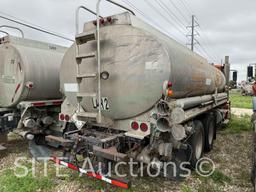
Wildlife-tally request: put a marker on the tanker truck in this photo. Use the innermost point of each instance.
(29, 85)
(133, 92)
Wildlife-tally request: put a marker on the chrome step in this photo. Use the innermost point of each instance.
(87, 115)
(86, 75)
(86, 56)
(60, 140)
(86, 94)
(85, 37)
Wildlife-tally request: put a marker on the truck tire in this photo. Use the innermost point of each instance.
(210, 131)
(196, 143)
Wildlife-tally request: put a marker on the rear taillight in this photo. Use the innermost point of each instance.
(102, 21)
(169, 84)
(67, 118)
(135, 125)
(109, 19)
(62, 117)
(144, 127)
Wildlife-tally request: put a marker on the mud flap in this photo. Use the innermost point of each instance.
(177, 172)
(8, 123)
(39, 151)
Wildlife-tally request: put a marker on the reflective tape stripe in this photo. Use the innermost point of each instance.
(64, 163)
(40, 104)
(120, 184)
(73, 167)
(91, 174)
(82, 171)
(106, 179)
(57, 102)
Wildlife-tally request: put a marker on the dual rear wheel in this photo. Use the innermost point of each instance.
(202, 139)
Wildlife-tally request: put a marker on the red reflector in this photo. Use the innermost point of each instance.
(39, 104)
(67, 118)
(135, 125)
(143, 127)
(30, 85)
(57, 102)
(102, 21)
(17, 88)
(109, 19)
(169, 84)
(62, 117)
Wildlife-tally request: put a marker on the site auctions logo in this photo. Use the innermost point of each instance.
(205, 167)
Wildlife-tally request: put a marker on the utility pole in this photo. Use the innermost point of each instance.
(193, 33)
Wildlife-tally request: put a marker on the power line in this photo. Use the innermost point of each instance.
(187, 7)
(163, 16)
(207, 40)
(194, 41)
(213, 55)
(169, 12)
(32, 26)
(206, 52)
(183, 8)
(180, 12)
(149, 20)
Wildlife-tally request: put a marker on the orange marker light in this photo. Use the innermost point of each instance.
(169, 92)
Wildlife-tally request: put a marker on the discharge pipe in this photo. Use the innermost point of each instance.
(164, 107)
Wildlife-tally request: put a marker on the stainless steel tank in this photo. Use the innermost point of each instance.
(29, 70)
(138, 58)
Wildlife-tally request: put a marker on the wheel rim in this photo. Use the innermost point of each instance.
(211, 134)
(199, 146)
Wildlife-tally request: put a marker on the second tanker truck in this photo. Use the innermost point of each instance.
(29, 90)
(133, 92)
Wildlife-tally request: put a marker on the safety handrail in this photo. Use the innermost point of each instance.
(122, 6)
(98, 49)
(11, 27)
(77, 16)
(98, 58)
(1, 31)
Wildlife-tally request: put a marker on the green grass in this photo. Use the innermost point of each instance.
(9, 183)
(239, 101)
(186, 188)
(220, 178)
(238, 125)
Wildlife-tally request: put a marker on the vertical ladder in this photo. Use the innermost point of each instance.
(81, 39)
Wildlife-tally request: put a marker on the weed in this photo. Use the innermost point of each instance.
(219, 177)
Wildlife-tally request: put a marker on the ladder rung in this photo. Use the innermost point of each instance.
(85, 37)
(86, 75)
(85, 56)
(86, 94)
(87, 114)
